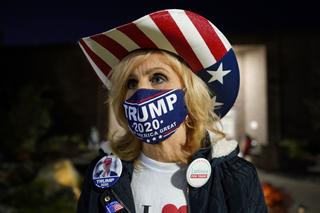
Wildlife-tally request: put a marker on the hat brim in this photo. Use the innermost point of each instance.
(186, 34)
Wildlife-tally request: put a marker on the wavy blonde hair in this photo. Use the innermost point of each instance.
(197, 98)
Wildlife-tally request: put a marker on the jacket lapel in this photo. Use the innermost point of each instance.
(122, 190)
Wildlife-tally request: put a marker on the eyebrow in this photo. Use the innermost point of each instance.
(151, 70)
(154, 69)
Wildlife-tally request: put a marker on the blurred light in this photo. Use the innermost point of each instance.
(66, 175)
(254, 143)
(254, 125)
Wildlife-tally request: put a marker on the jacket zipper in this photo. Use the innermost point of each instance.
(118, 198)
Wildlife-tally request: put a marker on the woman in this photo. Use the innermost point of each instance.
(173, 157)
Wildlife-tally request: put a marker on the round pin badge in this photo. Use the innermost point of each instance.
(198, 172)
(107, 171)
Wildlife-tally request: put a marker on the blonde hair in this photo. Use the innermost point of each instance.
(197, 98)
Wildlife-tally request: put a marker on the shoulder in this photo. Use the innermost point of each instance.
(241, 167)
(239, 178)
(224, 156)
(89, 194)
(240, 181)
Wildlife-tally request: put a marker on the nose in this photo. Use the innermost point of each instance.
(144, 83)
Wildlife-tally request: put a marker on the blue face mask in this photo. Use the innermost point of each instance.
(154, 115)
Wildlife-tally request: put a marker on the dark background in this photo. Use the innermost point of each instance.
(51, 98)
(43, 22)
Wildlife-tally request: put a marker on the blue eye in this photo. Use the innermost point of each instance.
(132, 83)
(158, 78)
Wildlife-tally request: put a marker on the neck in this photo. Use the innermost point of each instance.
(169, 150)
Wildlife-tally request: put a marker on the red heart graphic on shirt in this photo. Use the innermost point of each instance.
(170, 208)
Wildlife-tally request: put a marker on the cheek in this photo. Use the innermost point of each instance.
(126, 93)
(129, 93)
(177, 82)
(176, 79)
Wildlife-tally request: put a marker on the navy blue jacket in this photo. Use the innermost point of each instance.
(233, 186)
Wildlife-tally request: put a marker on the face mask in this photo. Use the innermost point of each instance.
(154, 115)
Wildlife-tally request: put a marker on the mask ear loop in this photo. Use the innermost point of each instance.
(187, 120)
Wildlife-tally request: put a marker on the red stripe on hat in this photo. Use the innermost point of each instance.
(208, 34)
(111, 45)
(170, 29)
(103, 66)
(133, 32)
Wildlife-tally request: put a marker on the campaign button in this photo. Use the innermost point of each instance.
(107, 171)
(198, 172)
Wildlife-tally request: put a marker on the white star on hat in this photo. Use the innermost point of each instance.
(218, 74)
(214, 99)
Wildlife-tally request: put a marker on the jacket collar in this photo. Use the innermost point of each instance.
(216, 149)
(222, 147)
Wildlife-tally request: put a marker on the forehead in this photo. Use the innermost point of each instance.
(151, 61)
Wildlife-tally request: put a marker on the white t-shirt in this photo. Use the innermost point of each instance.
(159, 187)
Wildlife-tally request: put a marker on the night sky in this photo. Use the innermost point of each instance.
(56, 22)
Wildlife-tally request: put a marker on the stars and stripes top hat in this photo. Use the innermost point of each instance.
(187, 34)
